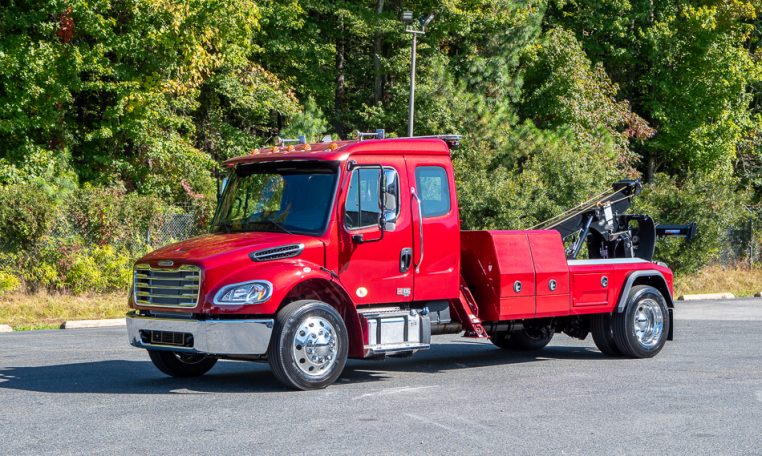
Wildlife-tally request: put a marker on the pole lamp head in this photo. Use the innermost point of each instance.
(426, 21)
(407, 16)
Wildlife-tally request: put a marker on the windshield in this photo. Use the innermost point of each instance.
(288, 198)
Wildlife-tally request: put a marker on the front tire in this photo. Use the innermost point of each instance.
(309, 345)
(177, 364)
(641, 330)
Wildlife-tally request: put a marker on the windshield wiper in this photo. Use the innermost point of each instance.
(273, 223)
(226, 225)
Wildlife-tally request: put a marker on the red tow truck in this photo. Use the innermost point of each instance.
(353, 249)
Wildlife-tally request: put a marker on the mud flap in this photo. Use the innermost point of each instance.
(671, 325)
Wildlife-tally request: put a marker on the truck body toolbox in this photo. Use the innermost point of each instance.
(516, 274)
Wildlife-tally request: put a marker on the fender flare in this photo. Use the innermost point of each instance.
(648, 273)
(631, 281)
(345, 306)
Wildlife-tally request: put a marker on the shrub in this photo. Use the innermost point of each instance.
(8, 282)
(84, 240)
(708, 199)
(26, 215)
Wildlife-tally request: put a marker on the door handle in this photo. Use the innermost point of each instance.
(406, 257)
(420, 228)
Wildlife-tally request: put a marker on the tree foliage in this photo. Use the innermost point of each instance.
(556, 100)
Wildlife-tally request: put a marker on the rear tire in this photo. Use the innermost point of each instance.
(641, 330)
(603, 335)
(502, 339)
(309, 345)
(181, 364)
(532, 338)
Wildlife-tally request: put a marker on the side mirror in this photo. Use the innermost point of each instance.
(387, 205)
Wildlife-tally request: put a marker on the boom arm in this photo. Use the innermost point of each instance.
(608, 231)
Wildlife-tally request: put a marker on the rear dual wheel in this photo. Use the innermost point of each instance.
(603, 335)
(528, 338)
(641, 330)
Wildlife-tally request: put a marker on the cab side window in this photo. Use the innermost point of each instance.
(433, 189)
(361, 207)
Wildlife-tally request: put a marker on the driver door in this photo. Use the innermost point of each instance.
(376, 266)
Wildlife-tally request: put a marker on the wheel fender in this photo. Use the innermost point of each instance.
(283, 275)
(320, 283)
(651, 274)
(651, 277)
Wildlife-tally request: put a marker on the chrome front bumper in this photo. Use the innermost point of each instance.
(217, 337)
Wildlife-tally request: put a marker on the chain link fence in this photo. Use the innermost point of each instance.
(743, 245)
(175, 226)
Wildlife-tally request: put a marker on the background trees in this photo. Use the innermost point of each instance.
(556, 99)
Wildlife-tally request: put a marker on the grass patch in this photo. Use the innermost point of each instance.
(742, 282)
(48, 311)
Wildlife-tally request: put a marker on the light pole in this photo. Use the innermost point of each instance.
(407, 18)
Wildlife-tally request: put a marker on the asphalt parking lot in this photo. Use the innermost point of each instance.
(87, 391)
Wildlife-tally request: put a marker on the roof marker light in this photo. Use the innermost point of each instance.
(380, 133)
(333, 146)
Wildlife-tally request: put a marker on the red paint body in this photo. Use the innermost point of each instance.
(336, 268)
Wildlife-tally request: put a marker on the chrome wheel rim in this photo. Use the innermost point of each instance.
(315, 346)
(648, 323)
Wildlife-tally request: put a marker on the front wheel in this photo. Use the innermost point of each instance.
(641, 330)
(181, 364)
(309, 345)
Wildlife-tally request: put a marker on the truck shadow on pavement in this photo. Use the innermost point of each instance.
(141, 377)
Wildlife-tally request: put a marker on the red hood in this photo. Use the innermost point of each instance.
(212, 248)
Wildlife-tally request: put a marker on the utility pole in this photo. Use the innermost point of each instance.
(407, 18)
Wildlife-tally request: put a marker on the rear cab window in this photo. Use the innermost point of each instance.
(433, 189)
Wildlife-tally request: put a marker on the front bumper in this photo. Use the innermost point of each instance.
(216, 337)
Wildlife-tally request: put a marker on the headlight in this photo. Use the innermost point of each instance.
(254, 292)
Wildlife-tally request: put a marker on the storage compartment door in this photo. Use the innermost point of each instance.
(590, 289)
(517, 279)
(551, 272)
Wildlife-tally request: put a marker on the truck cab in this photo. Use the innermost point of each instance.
(353, 249)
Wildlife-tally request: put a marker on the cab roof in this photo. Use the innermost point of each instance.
(342, 150)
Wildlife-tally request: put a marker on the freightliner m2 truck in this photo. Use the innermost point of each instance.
(353, 249)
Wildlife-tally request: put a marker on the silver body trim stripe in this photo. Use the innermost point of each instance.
(606, 261)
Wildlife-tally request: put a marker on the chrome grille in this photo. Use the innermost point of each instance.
(167, 287)
(277, 253)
